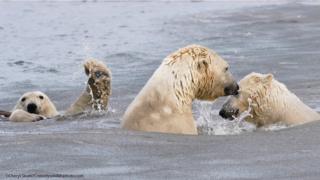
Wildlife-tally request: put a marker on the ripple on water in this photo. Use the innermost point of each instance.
(42, 69)
(19, 63)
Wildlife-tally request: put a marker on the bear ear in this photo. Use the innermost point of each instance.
(257, 79)
(268, 78)
(202, 65)
(86, 66)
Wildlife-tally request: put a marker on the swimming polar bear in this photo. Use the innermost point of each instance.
(165, 102)
(271, 102)
(35, 106)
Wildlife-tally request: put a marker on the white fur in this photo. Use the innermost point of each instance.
(272, 102)
(165, 102)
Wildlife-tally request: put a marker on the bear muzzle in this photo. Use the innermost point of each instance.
(32, 108)
(232, 89)
(229, 114)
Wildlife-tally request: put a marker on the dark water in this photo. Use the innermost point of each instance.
(43, 46)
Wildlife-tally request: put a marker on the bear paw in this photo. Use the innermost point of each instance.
(99, 83)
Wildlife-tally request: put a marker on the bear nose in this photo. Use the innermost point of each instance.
(223, 113)
(231, 90)
(226, 114)
(32, 108)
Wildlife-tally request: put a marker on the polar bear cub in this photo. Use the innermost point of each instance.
(270, 102)
(35, 106)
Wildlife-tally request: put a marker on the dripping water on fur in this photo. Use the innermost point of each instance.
(96, 103)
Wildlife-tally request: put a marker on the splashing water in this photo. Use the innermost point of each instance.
(246, 113)
(87, 50)
(88, 54)
(211, 124)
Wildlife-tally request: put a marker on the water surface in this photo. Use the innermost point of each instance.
(43, 46)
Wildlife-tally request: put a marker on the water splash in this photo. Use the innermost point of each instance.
(87, 50)
(87, 54)
(246, 113)
(211, 124)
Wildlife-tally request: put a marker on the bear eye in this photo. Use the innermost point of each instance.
(41, 97)
(226, 69)
(98, 74)
(23, 99)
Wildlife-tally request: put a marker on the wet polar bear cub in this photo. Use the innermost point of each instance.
(35, 106)
(165, 102)
(271, 102)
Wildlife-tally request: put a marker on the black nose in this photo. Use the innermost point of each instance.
(32, 108)
(231, 90)
(228, 115)
(223, 113)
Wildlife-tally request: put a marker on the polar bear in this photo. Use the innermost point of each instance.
(268, 101)
(35, 106)
(165, 102)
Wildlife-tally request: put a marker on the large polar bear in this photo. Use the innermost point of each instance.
(165, 103)
(268, 101)
(35, 106)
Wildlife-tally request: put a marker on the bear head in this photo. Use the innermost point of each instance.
(37, 103)
(253, 95)
(200, 73)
